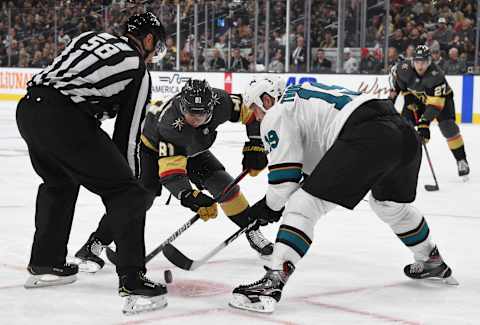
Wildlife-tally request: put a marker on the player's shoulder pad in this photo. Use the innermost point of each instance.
(434, 76)
(219, 96)
(404, 70)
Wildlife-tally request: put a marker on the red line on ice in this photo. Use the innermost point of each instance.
(246, 314)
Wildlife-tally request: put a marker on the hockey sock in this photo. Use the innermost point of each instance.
(296, 232)
(291, 245)
(236, 209)
(457, 147)
(407, 223)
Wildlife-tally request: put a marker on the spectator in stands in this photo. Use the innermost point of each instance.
(414, 38)
(299, 55)
(221, 44)
(170, 59)
(431, 42)
(23, 58)
(252, 64)
(238, 62)
(350, 64)
(456, 42)
(320, 63)
(217, 63)
(277, 62)
(328, 41)
(427, 16)
(62, 37)
(398, 41)
(466, 31)
(392, 57)
(453, 65)
(442, 34)
(3, 56)
(445, 11)
(186, 59)
(13, 53)
(438, 59)
(36, 61)
(409, 52)
(368, 62)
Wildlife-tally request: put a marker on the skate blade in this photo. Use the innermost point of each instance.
(465, 178)
(265, 305)
(48, 280)
(86, 266)
(449, 281)
(141, 304)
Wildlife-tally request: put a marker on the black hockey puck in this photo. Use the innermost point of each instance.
(167, 274)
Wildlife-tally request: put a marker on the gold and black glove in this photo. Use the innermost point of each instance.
(423, 129)
(254, 157)
(204, 205)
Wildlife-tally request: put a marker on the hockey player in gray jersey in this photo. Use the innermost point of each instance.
(179, 134)
(348, 144)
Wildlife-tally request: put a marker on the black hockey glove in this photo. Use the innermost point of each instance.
(423, 129)
(262, 212)
(254, 157)
(204, 205)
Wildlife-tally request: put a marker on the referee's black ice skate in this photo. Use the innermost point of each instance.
(88, 257)
(262, 296)
(46, 276)
(141, 293)
(463, 169)
(434, 268)
(259, 243)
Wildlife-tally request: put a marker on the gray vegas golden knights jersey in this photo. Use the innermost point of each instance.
(105, 76)
(166, 132)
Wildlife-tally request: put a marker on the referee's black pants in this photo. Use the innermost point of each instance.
(150, 180)
(67, 149)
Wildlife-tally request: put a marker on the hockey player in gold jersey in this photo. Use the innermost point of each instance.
(428, 96)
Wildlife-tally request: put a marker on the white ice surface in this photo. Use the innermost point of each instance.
(351, 275)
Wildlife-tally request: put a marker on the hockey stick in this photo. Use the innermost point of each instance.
(428, 187)
(112, 255)
(180, 260)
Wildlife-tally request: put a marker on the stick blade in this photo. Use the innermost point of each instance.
(431, 188)
(111, 255)
(177, 258)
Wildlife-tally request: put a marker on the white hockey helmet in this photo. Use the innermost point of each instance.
(273, 86)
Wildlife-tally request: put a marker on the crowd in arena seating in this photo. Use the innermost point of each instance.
(41, 29)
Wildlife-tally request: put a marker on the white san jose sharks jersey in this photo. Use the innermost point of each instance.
(298, 131)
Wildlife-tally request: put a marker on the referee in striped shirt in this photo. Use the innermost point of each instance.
(97, 76)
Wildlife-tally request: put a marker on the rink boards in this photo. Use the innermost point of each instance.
(166, 84)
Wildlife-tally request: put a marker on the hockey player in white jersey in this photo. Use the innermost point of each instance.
(348, 144)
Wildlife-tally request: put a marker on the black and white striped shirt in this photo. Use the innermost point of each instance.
(106, 76)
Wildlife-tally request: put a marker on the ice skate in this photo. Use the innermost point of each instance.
(88, 257)
(463, 169)
(259, 243)
(46, 276)
(263, 295)
(141, 294)
(433, 269)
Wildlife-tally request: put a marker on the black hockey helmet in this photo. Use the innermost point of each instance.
(140, 25)
(196, 97)
(422, 53)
